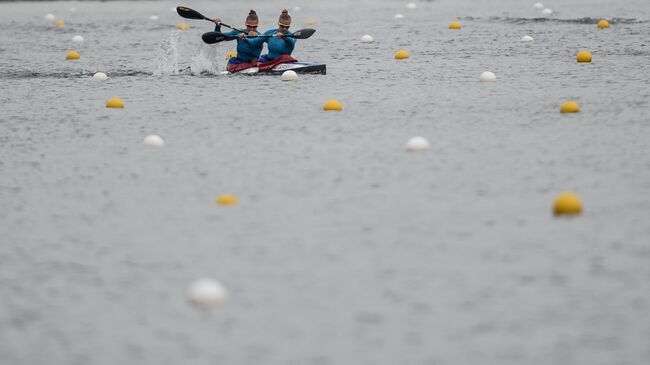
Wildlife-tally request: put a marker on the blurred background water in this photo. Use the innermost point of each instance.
(345, 248)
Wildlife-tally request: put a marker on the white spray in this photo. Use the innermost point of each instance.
(167, 61)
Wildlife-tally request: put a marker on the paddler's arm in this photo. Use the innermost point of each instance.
(217, 24)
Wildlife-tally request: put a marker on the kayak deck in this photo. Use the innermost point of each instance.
(297, 67)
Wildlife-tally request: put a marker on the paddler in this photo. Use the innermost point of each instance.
(248, 49)
(280, 46)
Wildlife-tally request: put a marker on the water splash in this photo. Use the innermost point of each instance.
(205, 62)
(167, 60)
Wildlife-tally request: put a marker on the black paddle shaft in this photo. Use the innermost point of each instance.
(188, 13)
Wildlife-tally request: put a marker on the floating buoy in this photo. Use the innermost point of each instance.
(100, 76)
(207, 293)
(310, 22)
(367, 39)
(401, 55)
(231, 54)
(296, 8)
(602, 24)
(567, 204)
(114, 103)
(583, 56)
(399, 16)
(538, 5)
(78, 39)
(527, 38)
(569, 106)
(154, 141)
(49, 17)
(72, 55)
(73, 10)
(182, 26)
(154, 17)
(454, 25)
(333, 105)
(411, 6)
(417, 144)
(59, 23)
(289, 75)
(547, 11)
(226, 199)
(488, 76)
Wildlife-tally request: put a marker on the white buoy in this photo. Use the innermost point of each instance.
(488, 76)
(527, 38)
(49, 17)
(296, 8)
(417, 144)
(411, 6)
(538, 5)
(100, 76)
(367, 39)
(289, 75)
(399, 16)
(78, 39)
(153, 140)
(154, 17)
(207, 293)
(72, 10)
(547, 11)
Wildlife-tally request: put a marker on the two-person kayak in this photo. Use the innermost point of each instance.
(297, 67)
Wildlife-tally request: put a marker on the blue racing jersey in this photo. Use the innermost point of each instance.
(279, 46)
(247, 49)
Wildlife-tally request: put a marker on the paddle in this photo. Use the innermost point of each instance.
(299, 34)
(215, 37)
(193, 14)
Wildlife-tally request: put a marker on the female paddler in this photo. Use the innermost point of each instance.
(248, 49)
(280, 46)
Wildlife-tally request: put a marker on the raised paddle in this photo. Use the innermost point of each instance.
(188, 13)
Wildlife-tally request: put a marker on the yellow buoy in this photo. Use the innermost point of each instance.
(602, 24)
(569, 106)
(182, 26)
(310, 22)
(72, 55)
(231, 54)
(401, 54)
(226, 199)
(454, 25)
(59, 22)
(115, 103)
(584, 56)
(567, 204)
(333, 105)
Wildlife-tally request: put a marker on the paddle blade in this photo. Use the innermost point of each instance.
(213, 37)
(189, 13)
(303, 33)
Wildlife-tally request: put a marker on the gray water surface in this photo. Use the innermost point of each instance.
(344, 248)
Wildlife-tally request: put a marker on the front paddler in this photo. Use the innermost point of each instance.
(248, 49)
(280, 46)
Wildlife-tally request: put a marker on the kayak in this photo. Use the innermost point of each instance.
(298, 67)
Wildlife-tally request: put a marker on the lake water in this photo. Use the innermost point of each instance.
(344, 247)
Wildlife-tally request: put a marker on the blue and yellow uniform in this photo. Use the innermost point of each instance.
(278, 46)
(248, 49)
